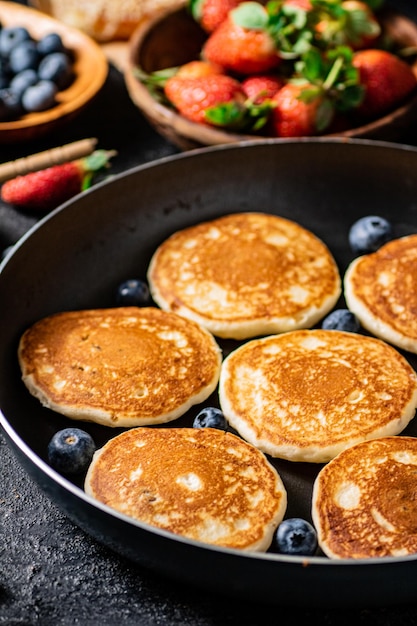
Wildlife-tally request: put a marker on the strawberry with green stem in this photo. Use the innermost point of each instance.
(217, 100)
(345, 22)
(242, 43)
(211, 13)
(45, 189)
(324, 85)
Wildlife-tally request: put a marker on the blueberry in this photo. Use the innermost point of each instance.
(133, 292)
(21, 81)
(12, 36)
(210, 417)
(341, 319)
(40, 96)
(70, 451)
(369, 233)
(24, 56)
(56, 67)
(296, 536)
(10, 105)
(49, 43)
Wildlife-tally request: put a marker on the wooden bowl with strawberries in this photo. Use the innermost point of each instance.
(177, 38)
(87, 64)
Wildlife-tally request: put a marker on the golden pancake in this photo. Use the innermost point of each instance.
(204, 484)
(124, 366)
(380, 288)
(245, 275)
(365, 500)
(308, 394)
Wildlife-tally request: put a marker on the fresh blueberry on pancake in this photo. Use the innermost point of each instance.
(296, 536)
(71, 450)
(341, 319)
(369, 233)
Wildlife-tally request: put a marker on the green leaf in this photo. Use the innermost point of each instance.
(311, 65)
(250, 15)
(155, 81)
(195, 8)
(226, 115)
(324, 115)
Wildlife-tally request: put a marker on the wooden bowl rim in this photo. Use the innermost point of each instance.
(167, 118)
(90, 73)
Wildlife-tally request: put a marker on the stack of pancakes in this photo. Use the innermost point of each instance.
(290, 391)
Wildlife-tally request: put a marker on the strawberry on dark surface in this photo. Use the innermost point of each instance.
(45, 189)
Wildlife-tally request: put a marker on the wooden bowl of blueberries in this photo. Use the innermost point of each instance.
(48, 73)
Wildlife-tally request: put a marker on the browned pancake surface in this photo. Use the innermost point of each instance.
(365, 500)
(125, 366)
(307, 394)
(204, 484)
(245, 274)
(381, 289)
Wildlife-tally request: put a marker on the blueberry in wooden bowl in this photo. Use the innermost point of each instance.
(49, 72)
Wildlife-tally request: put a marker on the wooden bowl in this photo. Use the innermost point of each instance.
(90, 69)
(174, 38)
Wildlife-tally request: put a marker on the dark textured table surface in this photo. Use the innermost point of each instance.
(51, 573)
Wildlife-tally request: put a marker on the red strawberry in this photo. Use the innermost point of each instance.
(241, 43)
(301, 4)
(295, 116)
(387, 80)
(261, 87)
(46, 189)
(193, 96)
(211, 13)
(197, 69)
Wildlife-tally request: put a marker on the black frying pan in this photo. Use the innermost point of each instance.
(76, 257)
